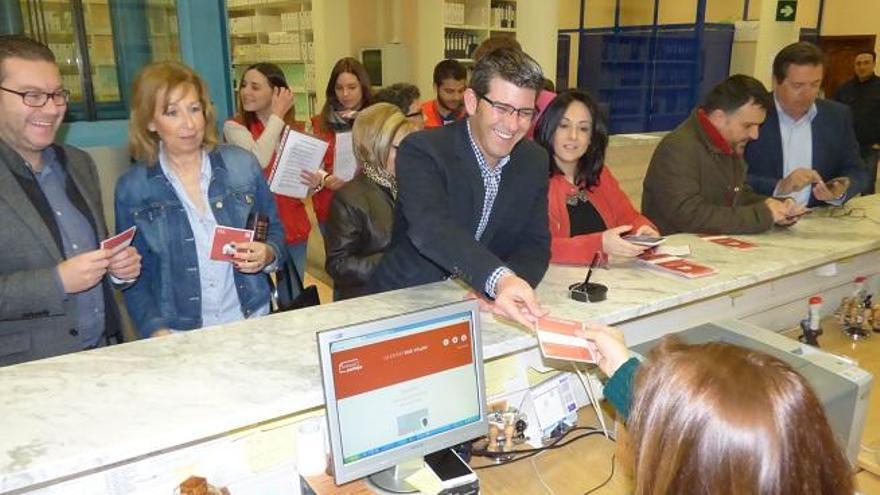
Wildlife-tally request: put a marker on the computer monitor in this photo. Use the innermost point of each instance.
(399, 388)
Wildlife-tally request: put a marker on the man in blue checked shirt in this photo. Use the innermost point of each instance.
(472, 201)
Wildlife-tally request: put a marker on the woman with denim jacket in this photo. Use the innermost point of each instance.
(181, 189)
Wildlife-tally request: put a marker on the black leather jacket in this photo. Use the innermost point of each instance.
(358, 232)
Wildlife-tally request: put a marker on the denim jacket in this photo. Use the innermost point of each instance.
(168, 292)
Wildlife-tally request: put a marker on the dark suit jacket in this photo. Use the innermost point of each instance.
(835, 150)
(37, 319)
(440, 198)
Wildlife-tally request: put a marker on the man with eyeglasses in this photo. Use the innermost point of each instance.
(807, 148)
(472, 196)
(55, 292)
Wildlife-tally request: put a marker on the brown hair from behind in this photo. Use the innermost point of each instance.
(374, 130)
(154, 86)
(721, 419)
(20, 46)
(343, 65)
(489, 45)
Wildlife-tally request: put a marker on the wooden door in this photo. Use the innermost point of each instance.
(840, 53)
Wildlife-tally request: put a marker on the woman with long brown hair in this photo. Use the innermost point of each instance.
(719, 419)
(348, 91)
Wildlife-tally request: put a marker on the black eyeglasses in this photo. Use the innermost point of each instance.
(38, 99)
(414, 114)
(504, 110)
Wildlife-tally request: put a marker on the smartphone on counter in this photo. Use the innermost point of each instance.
(450, 468)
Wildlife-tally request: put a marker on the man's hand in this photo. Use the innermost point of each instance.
(610, 349)
(83, 271)
(251, 257)
(797, 180)
(831, 190)
(162, 332)
(614, 245)
(125, 264)
(784, 213)
(515, 299)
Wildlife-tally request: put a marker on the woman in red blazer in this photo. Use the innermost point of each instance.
(589, 213)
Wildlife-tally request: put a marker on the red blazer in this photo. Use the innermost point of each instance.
(610, 201)
(291, 211)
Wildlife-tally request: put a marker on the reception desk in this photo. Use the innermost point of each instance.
(134, 418)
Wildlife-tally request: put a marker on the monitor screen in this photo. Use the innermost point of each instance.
(402, 387)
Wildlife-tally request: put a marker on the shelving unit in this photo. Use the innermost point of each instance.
(649, 78)
(60, 34)
(467, 23)
(279, 32)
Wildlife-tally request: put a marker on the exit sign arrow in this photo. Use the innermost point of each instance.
(786, 10)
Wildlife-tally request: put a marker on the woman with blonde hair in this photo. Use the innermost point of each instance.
(182, 188)
(362, 212)
(720, 419)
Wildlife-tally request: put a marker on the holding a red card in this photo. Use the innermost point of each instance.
(190, 201)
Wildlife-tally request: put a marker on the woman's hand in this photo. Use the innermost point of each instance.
(610, 348)
(648, 231)
(312, 179)
(333, 183)
(251, 257)
(614, 245)
(282, 101)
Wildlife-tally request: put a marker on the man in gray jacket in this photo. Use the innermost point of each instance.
(696, 179)
(55, 292)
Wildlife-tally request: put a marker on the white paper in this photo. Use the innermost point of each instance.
(344, 165)
(300, 152)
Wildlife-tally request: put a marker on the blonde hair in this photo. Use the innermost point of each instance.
(374, 130)
(157, 80)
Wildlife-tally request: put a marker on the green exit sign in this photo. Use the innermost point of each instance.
(786, 10)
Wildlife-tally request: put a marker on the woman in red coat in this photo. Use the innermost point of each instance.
(347, 92)
(589, 213)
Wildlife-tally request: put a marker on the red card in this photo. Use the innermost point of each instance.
(225, 238)
(731, 242)
(559, 340)
(676, 265)
(121, 240)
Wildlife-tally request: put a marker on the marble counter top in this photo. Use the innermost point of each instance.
(73, 414)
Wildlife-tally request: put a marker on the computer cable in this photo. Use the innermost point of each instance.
(607, 480)
(558, 444)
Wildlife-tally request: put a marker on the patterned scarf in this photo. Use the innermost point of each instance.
(381, 177)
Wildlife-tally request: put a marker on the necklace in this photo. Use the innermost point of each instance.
(579, 197)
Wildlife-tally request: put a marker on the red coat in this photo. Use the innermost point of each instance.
(291, 211)
(610, 201)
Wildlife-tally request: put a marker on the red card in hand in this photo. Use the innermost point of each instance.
(559, 339)
(120, 241)
(225, 239)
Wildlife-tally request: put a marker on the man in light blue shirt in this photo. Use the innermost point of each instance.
(806, 149)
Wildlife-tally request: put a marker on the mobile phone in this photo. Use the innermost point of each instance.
(798, 215)
(450, 468)
(644, 240)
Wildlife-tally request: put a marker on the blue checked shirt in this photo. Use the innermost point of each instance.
(491, 184)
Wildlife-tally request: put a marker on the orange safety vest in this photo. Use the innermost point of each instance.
(432, 114)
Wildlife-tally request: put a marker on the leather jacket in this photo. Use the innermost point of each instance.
(358, 232)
